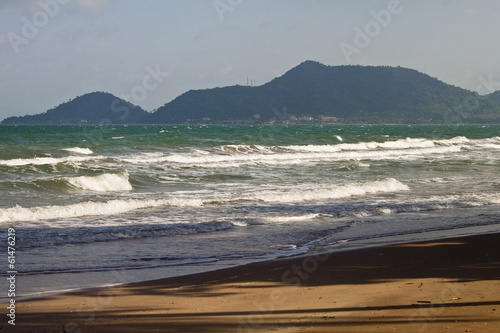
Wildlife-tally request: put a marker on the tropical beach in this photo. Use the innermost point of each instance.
(249, 166)
(158, 201)
(240, 228)
(433, 286)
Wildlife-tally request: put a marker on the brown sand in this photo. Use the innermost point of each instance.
(440, 286)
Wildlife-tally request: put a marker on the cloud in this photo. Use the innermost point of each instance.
(472, 11)
(206, 32)
(4, 44)
(107, 31)
(90, 9)
(70, 36)
(26, 6)
(30, 7)
(93, 5)
(6, 4)
(454, 2)
(226, 69)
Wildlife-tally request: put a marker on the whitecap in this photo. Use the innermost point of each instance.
(48, 160)
(89, 208)
(334, 192)
(107, 182)
(78, 150)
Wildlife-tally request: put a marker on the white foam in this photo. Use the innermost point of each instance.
(89, 208)
(385, 210)
(53, 236)
(78, 150)
(483, 198)
(341, 191)
(490, 145)
(407, 143)
(454, 141)
(237, 155)
(360, 214)
(286, 218)
(48, 160)
(119, 206)
(301, 155)
(107, 182)
(245, 149)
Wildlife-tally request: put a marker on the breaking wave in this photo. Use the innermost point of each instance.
(89, 208)
(107, 182)
(48, 160)
(335, 192)
(78, 150)
(102, 234)
(237, 155)
(118, 206)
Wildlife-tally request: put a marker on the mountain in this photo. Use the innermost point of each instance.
(351, 94)
(495, 97)
(354, 94)
(91, 108)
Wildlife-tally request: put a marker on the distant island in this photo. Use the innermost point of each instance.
(308, 93)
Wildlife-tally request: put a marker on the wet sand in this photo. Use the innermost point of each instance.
(450, 285)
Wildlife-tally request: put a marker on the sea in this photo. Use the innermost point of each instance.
(103, 205)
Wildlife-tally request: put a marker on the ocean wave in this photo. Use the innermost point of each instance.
(78, 150)
(101, 234)
(107, 182)
(335, 192)
(237, 155)
(290, 218)
(433, 203)
(398, 144)
(118, 206)
(364, 211)
(313, 155)
(243, 149)
(90, 208)
(305, 193)
(48, 160)
(454, 141)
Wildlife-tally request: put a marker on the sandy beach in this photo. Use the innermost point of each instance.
(449, 285)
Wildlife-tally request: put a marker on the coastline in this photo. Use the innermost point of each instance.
(87, 280)
(423, 286)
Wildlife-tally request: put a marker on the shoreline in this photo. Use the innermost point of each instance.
(118, 277)
(451, 279)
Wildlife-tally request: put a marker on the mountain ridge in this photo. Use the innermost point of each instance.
(351, 94)
(494, 96)
(91, 108)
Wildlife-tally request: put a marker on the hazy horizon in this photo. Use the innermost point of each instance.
(153, 51)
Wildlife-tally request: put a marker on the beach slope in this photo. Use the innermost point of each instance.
(436, 286)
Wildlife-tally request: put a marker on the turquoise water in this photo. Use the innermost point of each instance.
(154, 201)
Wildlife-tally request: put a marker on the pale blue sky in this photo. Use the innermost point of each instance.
(54, 50)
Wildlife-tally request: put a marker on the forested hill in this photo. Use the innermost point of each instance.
(351, 94)
(91, 108)
(494, 96)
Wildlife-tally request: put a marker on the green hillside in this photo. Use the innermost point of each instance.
(495, 97)
(92, 108)
(351, 94)
(354, 94)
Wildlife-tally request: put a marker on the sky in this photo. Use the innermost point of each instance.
(151, 51)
